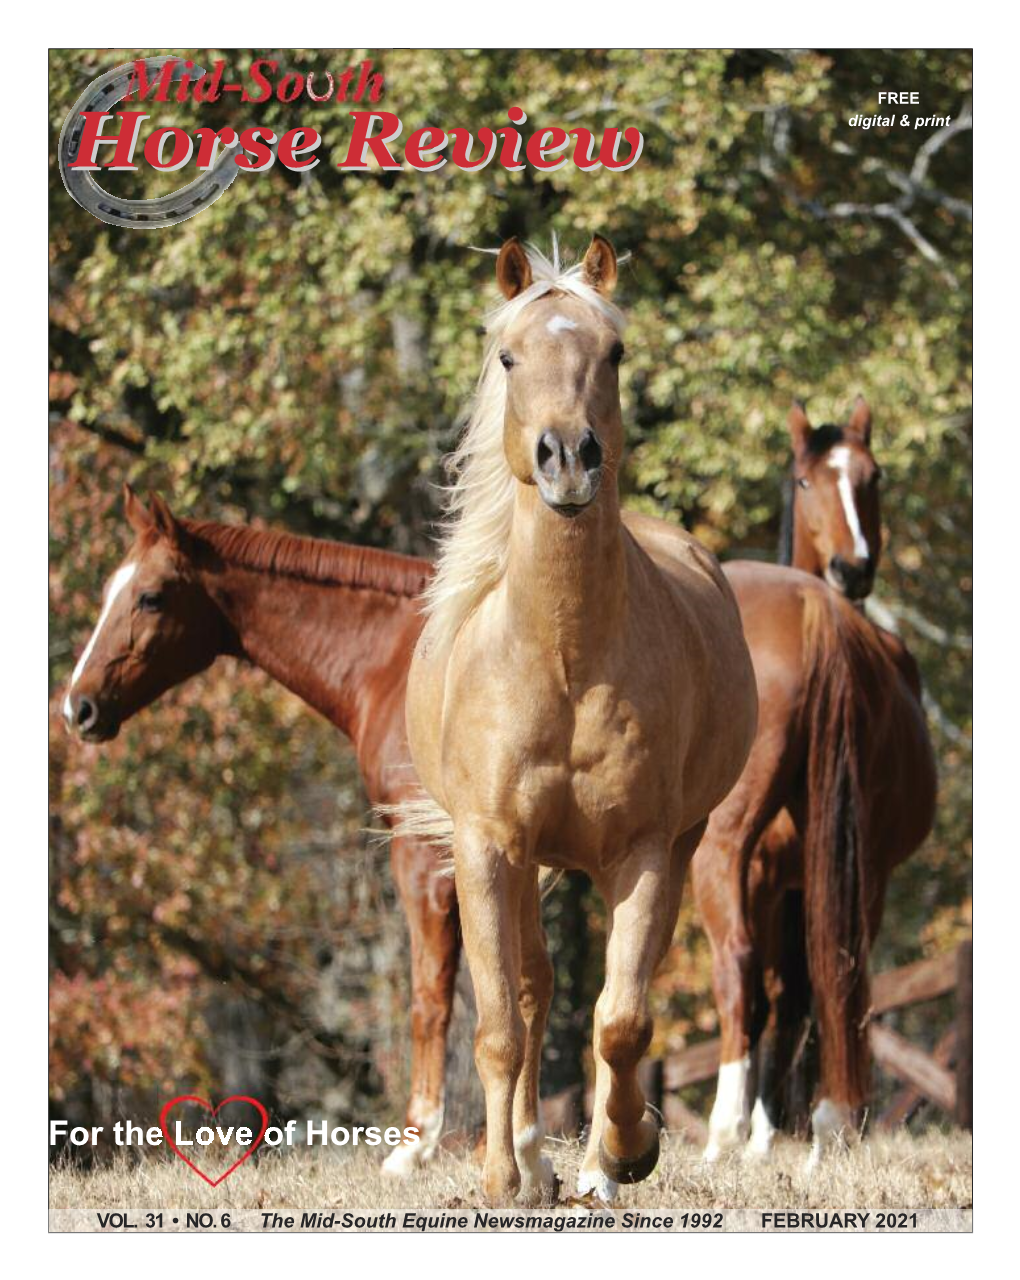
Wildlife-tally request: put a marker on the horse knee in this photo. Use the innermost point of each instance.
(500, 1050)
(624, 1039)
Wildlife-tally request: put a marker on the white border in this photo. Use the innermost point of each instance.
(24, 631)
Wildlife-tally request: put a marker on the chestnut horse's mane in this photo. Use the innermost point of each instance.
(311, 559)
(479, 502)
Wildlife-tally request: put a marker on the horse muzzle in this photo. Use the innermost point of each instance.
(568, 472)
(85, 717)
(852, 578)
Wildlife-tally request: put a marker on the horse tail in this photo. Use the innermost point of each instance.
(418, 817)
(840, 670)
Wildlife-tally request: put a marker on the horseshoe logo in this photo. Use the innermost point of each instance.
(163, 211)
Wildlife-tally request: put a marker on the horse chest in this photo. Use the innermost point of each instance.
(586, 773)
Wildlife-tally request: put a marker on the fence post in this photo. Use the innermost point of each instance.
(965, 1035)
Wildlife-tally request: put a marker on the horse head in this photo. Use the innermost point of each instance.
(156, 628)
(837, 530)
(562, 429)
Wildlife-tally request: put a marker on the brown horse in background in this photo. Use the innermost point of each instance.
(336, 625)
(839, 789)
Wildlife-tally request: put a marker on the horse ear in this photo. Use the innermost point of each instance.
(164, 520)
(800, 429)
(513, 270)
(599, 266)
(860, 420)
(135, 512)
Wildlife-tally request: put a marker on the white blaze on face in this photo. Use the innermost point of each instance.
(839, 460)
(560, 324)
(728, 1123)
(117, 584)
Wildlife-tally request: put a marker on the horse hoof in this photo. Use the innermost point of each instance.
(401, 1162)
(631, 1169)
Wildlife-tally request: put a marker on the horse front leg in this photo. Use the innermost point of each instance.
(491, 884)
(430, 906)
(538, 1181)
(644, 901)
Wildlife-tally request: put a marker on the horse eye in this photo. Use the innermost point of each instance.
(803, 482)
(506, 360)
(616, 355)
(150, 601)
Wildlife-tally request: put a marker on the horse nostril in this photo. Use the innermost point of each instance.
(838, 567)
(86, 714)
(590, 451)
(548, 448)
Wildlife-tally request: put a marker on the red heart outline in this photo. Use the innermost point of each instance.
(214, 1111)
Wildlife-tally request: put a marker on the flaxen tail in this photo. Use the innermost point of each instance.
(844, 674)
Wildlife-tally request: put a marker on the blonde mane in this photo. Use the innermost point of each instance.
(475, 535)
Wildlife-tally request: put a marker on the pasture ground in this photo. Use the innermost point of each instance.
(900, 1171)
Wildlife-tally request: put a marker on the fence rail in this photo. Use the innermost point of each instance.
(944, 1077)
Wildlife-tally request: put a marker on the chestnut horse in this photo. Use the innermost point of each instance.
(581, 697)
(336, 625)
(839, 789)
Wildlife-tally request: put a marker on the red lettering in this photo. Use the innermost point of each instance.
(252, 140)
(462, 141)
(610, 143)
(255, 72)
(583, 150)
(209, 143)
(368, 81)
(294, 78)
(140, 86)
(538, 150)
(424, 142)
(183, 147)
(362, 138)
(207, 87)
(125, 139)
(510, 149)
(185, 84)
(289, 148)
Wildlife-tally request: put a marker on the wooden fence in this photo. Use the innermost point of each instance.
(943, 1076)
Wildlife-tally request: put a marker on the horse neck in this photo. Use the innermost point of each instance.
(566, 579)
(325, 642)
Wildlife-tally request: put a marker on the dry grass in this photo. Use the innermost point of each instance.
(901, 1172)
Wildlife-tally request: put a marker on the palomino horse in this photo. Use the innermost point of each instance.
(839, 789)
(336, 625)
(581, 697)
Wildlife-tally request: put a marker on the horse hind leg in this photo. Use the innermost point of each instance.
(491, 884)
(734, 978)
(781, 1048)
(538, 1180)
(833, 1119)
(430, 906)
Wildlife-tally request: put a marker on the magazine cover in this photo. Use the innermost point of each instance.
(510, 640)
